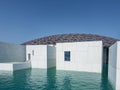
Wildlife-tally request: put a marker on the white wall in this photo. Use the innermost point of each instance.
(15, 66)
(44, 56)
(22, 65)
(39, 59)
(114, 65)
(118, 66)
(51, 56)
(6, 66)
(11, 52)
(85, 56)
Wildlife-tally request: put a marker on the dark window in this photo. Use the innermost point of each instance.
(29, 56)
(33, 52)
(67, 55)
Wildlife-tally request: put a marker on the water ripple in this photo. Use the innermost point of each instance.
(38, 79)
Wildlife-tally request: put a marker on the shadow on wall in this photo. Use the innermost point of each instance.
(12, 52)
(105, 55)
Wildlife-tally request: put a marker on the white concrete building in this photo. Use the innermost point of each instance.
(41, 56)
(79, 56)
(114, 65)
(16, 57)
(76, 52)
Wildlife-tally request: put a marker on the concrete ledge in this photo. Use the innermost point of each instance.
(12, 66)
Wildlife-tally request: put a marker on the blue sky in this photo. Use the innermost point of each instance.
(23, 20)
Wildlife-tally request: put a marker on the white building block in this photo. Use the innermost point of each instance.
(114, 65)
(84, 56)
(21, 65)
(41, 56)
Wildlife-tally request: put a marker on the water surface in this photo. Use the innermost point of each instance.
(39, 79)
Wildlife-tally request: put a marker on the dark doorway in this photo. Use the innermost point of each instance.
(29, 56)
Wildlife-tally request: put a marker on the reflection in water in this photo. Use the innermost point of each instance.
(67, 83)
(6, 78)
(105, 85)
(40, 79)
(21, 78)
(51, 79)
(70, 80)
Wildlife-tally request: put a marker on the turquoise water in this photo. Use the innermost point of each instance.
(38, 79)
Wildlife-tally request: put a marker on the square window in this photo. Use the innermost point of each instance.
(67, 55)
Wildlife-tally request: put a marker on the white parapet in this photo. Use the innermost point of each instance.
(6, 66)
(84, 56)
(21, 65)
(114, 65)
(13, 66)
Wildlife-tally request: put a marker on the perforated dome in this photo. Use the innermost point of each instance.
(60, 38)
